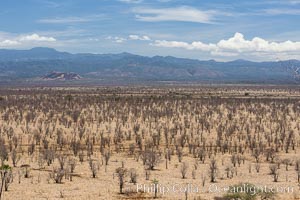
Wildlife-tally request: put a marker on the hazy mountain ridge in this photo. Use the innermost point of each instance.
(37, 62)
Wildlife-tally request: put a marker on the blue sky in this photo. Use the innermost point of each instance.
(215, 29)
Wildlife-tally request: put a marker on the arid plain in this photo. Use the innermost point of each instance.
(123, 142)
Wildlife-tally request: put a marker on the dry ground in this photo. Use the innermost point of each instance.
(244, 118)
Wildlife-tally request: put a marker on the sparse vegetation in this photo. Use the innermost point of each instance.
(178, 135)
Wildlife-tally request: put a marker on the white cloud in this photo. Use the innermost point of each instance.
(119, 39)
(73, 19)
(137, 37)
(63, 20)
(36, 37)
(183, 14)
(116, 39)
(8, 43)
(240, 44)
(131, 1)
(189, 46)
(12, 40)
(50, 4)
(236, 45)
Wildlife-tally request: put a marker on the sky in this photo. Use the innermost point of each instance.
(258, 30)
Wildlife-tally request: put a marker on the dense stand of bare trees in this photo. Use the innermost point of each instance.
(65, 127)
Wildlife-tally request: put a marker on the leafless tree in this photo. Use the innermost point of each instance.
(213, 170)
(202, 155)
(15, 158)
(6, 178)
(26, 168)
(133, 175)
(57, 175)
(256, 154)
(106, 156)
(257, 167)
(62, 159)
(179, 154)
(151, 158)
(72, 164)
(183, 169)
(49, 156)
(3, 151)
(274, 172)
(81, 156)
(287, 162)
(131, 148)
(234, 159)
(94, 167)
(121, 174)
(147, 174)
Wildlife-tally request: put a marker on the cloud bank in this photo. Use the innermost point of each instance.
(137, 37)
(181, 14)
(72, 19)
(26, 40)
(118, 39)
(131, 1)
(36, 37)
(236, 45)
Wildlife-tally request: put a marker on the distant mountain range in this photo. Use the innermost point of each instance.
(35, 64)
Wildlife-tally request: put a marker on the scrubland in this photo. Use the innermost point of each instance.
(118, 142)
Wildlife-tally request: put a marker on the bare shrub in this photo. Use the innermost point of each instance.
(121, 174)
(81, 157)
(213, 170)
(131, 148)
(151, 158)
(147, 174)
(229, 171)
(3, 151)
(6, 178)
(49, 156)
(106, 155)
(62, 159)
(179, 154)
(257, 167)
(15, 157)
(274, 172)
(183, 169)
(202, 155)
(256, 154)
(57, 175)
(286, 162)
(26, 170)
(94, 167)
(72, 164)
(133, 175)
